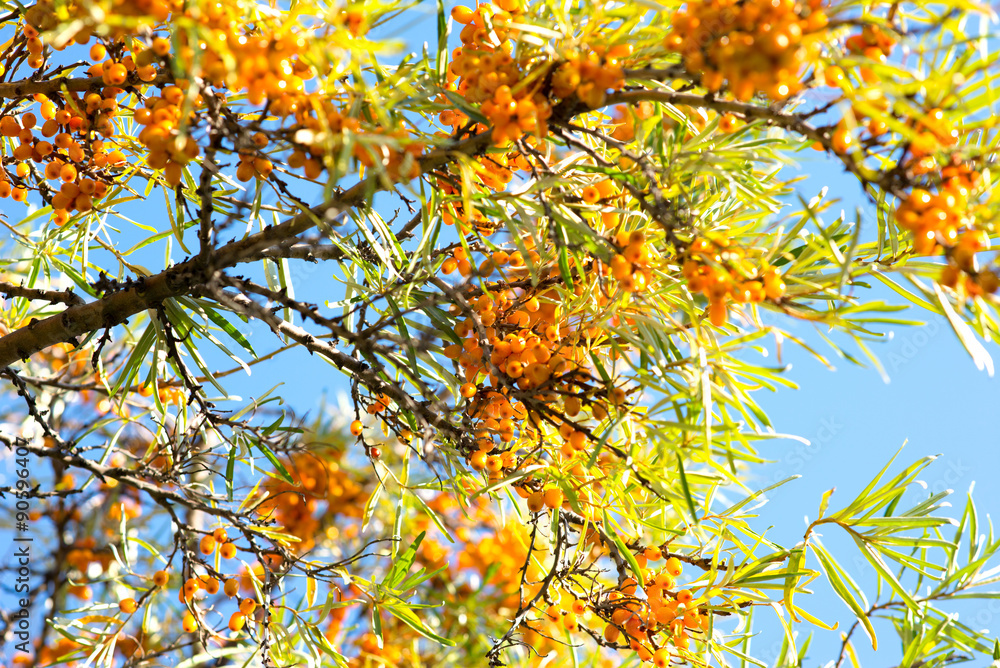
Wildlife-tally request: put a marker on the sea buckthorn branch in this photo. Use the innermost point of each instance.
(310, 251)
(554, 573)
(236, 251)
(311, 312)
(789, 121)
(659, 210)
(557, 418)
(180, 279)
(343, 361)
(575, 333)
(195, 393)
(16, 90)
(66, 296)
(363, 341)
(33, 410)
(621, 566)
(127, 477)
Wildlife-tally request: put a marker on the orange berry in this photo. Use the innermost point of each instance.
(536, 502)
(356, 428)
(834, 76)
(160, 578)
(190, 623)
(227, 551)
(116, 75)
(718, 314)
(207, 545)
(247, 606)
(161, 46)
(237, 621)
(478, 460)
(842, 140)
(462, 15)
(728, 123)
(774, 286)
(128, 605)
(210, 584)
(232, 587)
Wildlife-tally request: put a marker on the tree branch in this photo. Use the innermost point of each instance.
(66, 296)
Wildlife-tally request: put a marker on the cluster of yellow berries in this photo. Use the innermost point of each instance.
(268, 65)
(529, 350)
(659, 625)
(512, 93)
(165, 132)
(484, 71)
(63, 151)
(589, 75)
(872, 43)
(73, 129)
(631, 267)
(757, 46)
(46, 15)
(320, 128)
(526, 362)
(962, 273)
(317, 477)
(721, 272)
(218, 540)
(843, 140)
(492, 172)
(933, 132)
(936, 219)
(943, 221)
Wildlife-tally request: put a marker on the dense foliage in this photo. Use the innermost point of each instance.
(544, 251)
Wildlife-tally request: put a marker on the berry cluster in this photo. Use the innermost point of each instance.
(317, 477)
(664, 618)
(872, 43)
(526, 361)
(71, 137)
(721, 272)
(517, 93)
(492, 172)
(484, 71)
(321, 128)
(165, 132)
(757, 46)
(631, 267)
